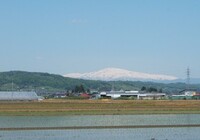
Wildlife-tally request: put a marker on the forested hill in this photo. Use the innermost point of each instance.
(45, 82)
(20, 80)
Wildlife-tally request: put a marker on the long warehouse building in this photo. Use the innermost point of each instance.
(18, 96)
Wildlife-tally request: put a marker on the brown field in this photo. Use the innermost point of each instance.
(100, 107)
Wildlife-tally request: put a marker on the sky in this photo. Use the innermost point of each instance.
(67, 36)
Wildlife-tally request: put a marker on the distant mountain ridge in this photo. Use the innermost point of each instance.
(115, 74)
(45, 83)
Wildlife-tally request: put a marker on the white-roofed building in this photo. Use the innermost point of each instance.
(18, 96)
(134, 94)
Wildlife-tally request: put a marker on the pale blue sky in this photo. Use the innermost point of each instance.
(64, 36)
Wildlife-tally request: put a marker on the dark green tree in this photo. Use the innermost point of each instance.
(143, 88)
(79, 89)
(82, 89)
(151, 89)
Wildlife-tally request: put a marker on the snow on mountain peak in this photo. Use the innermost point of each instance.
(112, 74)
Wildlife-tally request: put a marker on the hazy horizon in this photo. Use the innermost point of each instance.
(60, 37)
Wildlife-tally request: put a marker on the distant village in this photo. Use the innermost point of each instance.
(80, 93)
(132, 95)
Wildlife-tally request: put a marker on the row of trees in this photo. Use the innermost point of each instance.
(151, 89)
(80, 89)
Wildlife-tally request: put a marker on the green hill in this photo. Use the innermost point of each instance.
(20, 80)
(46, 83)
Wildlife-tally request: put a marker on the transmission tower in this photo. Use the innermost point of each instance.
(188, 78)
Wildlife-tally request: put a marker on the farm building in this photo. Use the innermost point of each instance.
(187, 95)
(152, 96)
(59, 95)
(18, 96)
(133, 94)
(196, 96)
(85, 95)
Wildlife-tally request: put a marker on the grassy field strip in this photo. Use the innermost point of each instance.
(100, 107)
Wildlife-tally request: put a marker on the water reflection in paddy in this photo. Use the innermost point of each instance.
(105, 134)
(97, 120)
(183, 133)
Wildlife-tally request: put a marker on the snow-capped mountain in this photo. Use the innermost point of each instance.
(113, 74)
